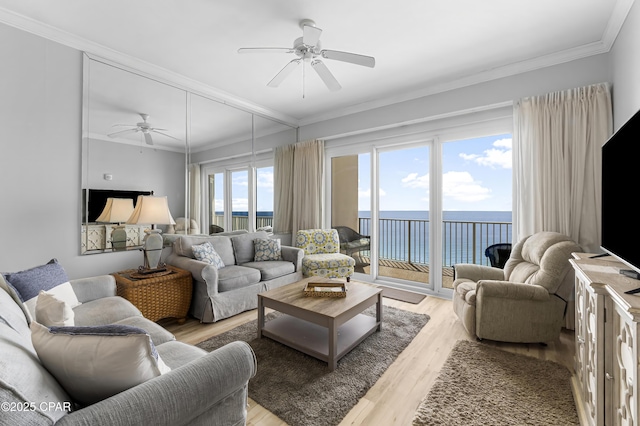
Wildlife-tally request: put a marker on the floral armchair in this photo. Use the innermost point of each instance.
(322, 257)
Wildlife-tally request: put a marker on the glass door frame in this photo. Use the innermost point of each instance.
(227, 169)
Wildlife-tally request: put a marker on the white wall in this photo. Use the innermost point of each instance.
(625, 60)
(40, 131)
(40, 158)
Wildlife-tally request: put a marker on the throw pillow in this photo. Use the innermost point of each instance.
(94, 363)
(206, 253)
(267, 249)
(52, 311)
(51, 278)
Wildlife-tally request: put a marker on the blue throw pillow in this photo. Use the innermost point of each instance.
(206, 253)
(50, 277)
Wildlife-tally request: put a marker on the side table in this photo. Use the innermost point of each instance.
(165, 295)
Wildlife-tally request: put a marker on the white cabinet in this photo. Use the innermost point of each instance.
(606, 359)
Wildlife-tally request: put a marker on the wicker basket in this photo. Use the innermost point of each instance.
(325, 289)
(165, 296)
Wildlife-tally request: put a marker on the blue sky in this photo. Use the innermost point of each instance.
(476, 176)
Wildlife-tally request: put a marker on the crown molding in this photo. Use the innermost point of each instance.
(116, 58)
(616, 21)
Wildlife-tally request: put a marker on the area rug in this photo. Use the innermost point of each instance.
(483, 385)
(301, 390)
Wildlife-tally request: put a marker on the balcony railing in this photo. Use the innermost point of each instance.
(407, 240)
(242, 222)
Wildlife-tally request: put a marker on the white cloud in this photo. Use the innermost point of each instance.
(366, 193)
(461, 186)
(498, 156)
(265, 179)
(413, 180)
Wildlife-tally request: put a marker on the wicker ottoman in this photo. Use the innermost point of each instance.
(157, 296)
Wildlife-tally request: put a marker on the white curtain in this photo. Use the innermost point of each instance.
(194, 195)
(298, 184)
(308, 178)
(557, 143)
(283, 189)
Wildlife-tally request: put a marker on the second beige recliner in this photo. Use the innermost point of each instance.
(525, 302)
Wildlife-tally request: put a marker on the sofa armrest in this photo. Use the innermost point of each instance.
(293, 254)
(92, 288)
(201, 271)
(178, 397)
(509, 290)
(477, 272)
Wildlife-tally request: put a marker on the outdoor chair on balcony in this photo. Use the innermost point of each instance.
(498, 254)
(322, 257)
(525, 302)
(351, 241)
(214, 229)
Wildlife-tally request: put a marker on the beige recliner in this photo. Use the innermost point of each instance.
(184, 226)
(525, 302)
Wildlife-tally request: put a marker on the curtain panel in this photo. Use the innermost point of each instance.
(557, 178)
(283, 189)
(298, 184)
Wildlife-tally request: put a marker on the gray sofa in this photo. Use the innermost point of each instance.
(219, 294)
(201, 388)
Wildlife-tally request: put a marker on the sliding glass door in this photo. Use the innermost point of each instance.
(422, 203)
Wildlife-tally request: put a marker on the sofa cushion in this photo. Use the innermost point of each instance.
(206, 253)
(50, 277)
(267, 249)
(94, 363)
(221, 244)
(243, 247)
(24, 380)
(52, 311)
(232, 277)
(327, 261)
(316, 241)
(176, 354)
(159, 334)
(106, 310)
(273, 269)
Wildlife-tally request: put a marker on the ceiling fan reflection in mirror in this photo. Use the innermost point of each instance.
(308, 49)
(144, 126)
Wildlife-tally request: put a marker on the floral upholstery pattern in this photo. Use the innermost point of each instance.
(322, 257)
(267, 249)
(206, 253)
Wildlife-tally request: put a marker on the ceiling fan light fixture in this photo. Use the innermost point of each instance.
(307, 48)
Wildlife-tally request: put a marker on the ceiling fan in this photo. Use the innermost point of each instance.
(144, 127)
(308, 49)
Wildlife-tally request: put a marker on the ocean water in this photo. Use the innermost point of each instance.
(404, 235)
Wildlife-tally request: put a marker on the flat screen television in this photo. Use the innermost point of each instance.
(96, 199)
(620, 215)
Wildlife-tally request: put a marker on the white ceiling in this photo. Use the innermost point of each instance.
(420, 46)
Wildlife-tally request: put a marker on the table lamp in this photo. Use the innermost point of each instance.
(117, 210)
(151, 210)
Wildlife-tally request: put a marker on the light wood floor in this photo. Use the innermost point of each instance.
(395, 397)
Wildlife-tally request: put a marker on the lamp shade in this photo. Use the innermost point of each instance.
(151, 210)
(116, 210)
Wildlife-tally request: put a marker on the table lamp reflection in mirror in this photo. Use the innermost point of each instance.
(151, 210)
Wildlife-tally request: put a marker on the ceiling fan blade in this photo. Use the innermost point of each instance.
(311, 35)
(284, 72)
(266, 50)
(122, 132)
(164, 134)
(353, 58)
(326, 75)
(148, 139)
